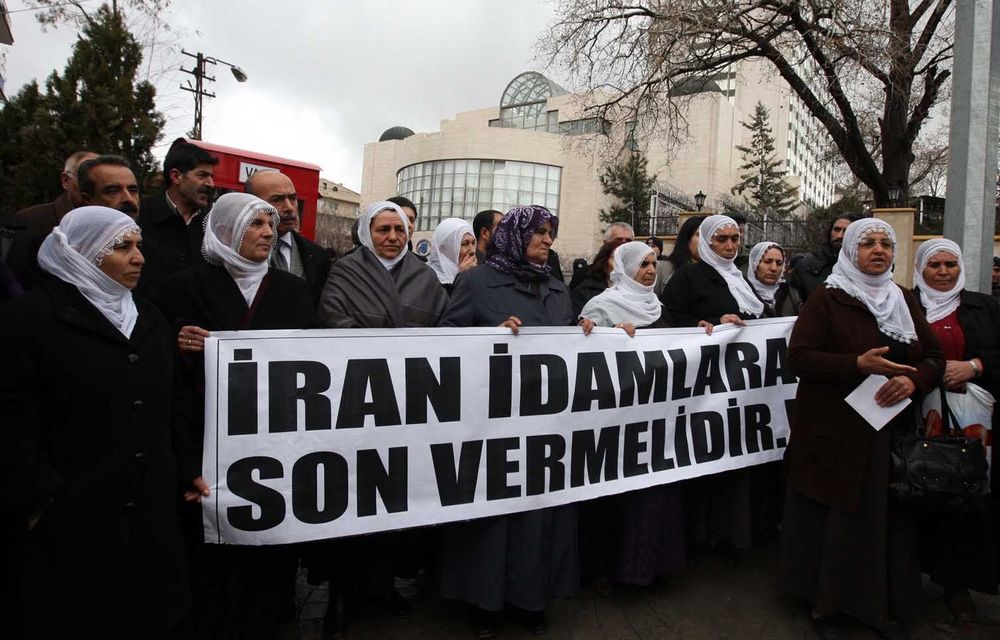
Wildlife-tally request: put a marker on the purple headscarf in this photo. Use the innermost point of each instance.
(511, 238)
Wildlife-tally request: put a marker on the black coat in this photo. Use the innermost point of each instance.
(87, 443)
(315, 264)
(179, 243)
(485, 297)
(584, 290)
(207, 296)
(697, 292)
(812, 271)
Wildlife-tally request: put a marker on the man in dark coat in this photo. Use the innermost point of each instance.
(293, 252)
(812, 270)
(41, 218)
(174, 217)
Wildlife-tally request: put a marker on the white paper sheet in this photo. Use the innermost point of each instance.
(862, 400)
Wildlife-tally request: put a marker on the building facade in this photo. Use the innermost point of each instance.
(336, 211)
(539, 147)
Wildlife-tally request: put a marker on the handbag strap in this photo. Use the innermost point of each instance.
(948, 417)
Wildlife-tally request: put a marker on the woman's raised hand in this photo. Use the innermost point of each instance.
(511, 323)
(732, 318)
(707, 326)
(871, 361)
(587, 324)
(627, 327)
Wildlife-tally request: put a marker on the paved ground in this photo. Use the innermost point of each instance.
(713, 598)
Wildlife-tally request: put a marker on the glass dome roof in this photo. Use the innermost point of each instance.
(529, 87)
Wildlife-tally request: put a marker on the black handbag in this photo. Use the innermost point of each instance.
(943, 475)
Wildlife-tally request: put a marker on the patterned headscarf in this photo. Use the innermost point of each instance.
(765, 291)
(227, 223)
(882, 297)
(511, 238)
(73, 252)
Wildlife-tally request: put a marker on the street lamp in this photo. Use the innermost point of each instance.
(699, 200)
(895, 192)
(200, 77)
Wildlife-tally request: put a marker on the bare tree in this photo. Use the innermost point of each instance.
(858, 66)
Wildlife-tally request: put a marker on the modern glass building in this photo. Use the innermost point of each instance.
(459, 188)
(538, 145)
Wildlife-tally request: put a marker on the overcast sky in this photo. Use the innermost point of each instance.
(324, 77)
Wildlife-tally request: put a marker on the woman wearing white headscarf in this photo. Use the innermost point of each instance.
(712, 290)
(968, 325)
(635, 537)
(233, 290)
(382, 284)
(87, 474)
(453, 250)
(630, 301)
(764, 273)
(706, 293)
(846, 548)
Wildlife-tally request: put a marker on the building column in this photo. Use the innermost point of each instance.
(901, 221)
(972, 141)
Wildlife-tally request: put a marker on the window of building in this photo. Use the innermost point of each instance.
(461, 188)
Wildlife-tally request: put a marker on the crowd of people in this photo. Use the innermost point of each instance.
(106, 300)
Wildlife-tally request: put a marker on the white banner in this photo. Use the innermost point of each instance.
(327, 433)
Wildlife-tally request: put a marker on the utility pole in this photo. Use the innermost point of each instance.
(200, 77)
(198, 89)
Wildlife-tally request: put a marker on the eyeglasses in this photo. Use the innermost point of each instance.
(888, 245)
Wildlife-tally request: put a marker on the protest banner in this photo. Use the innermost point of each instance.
(328, 433)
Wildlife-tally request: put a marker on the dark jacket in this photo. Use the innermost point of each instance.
(206, 296)
(179, 242)
(42, 218)
(87, 443)
(786, 301)
(315, 263)
(485, 297)
(830, 443)
(697, 292)
(811, 272)
(584, 290)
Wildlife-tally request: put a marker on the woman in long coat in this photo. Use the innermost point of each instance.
(706, 293)
(86, 468)
(960, 552)
(637, 536)
(846, 549)
(525, 558)
(240, 592)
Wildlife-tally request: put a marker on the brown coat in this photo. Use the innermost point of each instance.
(42, 218)
(830, 443)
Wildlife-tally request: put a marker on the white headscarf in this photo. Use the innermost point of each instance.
(365, 230)
(446, 244)
(765, 291)
(878, 293)
(939, 304)
(74, 251)
(225, 227)
(738, 286)
(625, 300)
